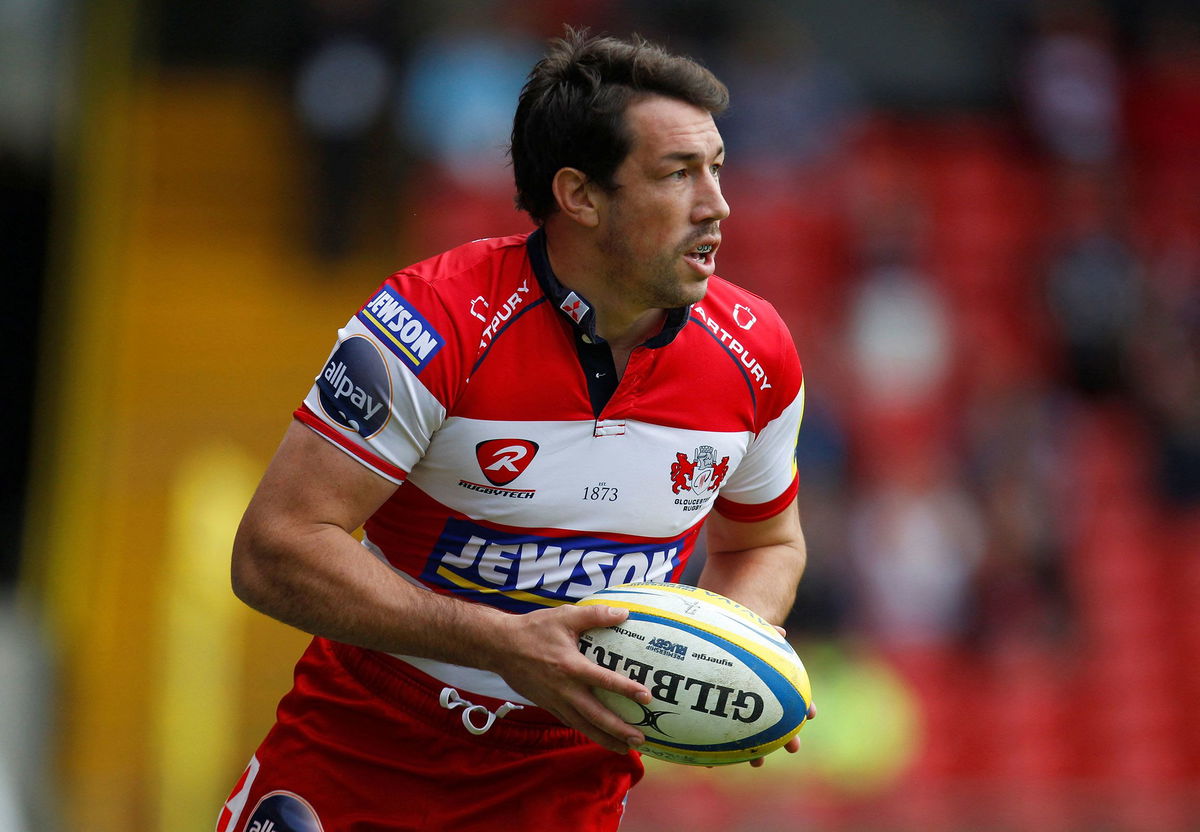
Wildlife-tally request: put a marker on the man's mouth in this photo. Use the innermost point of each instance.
(702, 253)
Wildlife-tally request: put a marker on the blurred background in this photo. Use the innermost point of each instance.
(981, 220)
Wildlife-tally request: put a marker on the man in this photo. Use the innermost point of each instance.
(518, 423)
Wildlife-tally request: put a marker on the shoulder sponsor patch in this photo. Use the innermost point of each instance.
(355, 389)
(283, 812)
(402, 328)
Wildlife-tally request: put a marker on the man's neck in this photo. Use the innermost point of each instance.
(623, 325)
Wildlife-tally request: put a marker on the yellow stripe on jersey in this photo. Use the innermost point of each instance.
(515, 594)
(384, 332)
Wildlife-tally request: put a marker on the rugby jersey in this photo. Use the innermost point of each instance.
(529, 476)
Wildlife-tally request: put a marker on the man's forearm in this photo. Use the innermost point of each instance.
(324, 582)
(763, 579)
(757, 564)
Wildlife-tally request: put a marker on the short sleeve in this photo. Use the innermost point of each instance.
(766, 481)
(381, 394)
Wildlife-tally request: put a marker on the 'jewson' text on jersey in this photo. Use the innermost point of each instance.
(402, 328)
(522, 572)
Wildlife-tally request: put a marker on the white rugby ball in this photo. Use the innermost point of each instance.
(726, 686)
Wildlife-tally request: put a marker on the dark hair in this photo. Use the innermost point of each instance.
(571, 112)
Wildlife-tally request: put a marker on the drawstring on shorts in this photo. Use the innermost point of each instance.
(451, 699)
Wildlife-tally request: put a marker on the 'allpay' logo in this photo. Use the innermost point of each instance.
(283, 811)
(355, 388)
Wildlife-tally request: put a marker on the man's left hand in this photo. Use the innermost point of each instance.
(793, 745)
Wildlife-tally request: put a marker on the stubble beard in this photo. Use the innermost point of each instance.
(653, 284)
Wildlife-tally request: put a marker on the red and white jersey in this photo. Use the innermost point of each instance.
(476, 381)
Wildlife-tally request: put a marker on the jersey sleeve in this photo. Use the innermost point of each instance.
(385, 387)
(766, 480)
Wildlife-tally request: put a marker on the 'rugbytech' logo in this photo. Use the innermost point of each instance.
(402, 328)
(355, 388)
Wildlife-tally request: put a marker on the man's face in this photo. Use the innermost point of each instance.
(660, 227)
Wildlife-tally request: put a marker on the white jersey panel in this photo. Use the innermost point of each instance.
(645, 480)
(761, 478)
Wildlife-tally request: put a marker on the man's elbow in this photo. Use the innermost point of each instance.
(799, 557)
(250, 569)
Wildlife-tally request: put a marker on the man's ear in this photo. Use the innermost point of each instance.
(576, 196)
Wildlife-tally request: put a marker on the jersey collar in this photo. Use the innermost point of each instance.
(576, 308)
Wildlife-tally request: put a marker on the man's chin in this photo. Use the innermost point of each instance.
(693, 291)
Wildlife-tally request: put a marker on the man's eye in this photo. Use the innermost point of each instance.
(679, 174)
(716, 171)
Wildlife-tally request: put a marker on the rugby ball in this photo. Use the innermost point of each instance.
(726, 686)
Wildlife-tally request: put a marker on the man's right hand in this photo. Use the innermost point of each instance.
(539, 658)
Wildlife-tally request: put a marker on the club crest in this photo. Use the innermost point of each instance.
(699, 475)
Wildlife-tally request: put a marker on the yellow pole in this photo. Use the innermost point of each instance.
(202, 624)
(65, 570)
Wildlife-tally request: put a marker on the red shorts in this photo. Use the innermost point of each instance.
(364, 743)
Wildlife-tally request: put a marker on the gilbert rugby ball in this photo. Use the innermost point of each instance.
(726, 686)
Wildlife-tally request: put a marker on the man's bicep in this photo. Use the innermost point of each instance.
(312, 482)
(758, 563)
(294, 557)
(728, 535)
